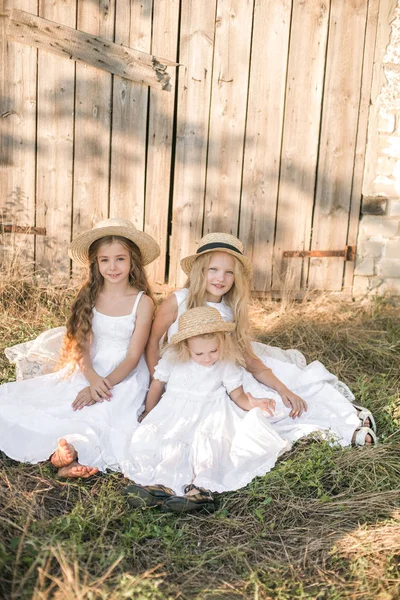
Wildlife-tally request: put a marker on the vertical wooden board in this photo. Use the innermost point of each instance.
(129, 120)
(228, 115)
(196, 55)
(92, 124)
(56, 82)
(263, 136)
(340, 112)
(308, 40)
(17, 137)
(159, 151)
(365, 97)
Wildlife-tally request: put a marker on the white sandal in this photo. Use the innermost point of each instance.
(364, 414)
(361, 436)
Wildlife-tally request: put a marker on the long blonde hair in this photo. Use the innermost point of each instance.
(238, 297)
(79, 324)
(228, 350)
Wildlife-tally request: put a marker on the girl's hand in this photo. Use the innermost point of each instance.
(291, 400)
(100, 389)
(264, 403)
(84, 398)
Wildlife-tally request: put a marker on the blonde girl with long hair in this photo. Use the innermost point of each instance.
(83, 415)
(311, 398)
(200, 433)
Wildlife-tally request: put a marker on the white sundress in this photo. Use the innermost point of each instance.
(197, 434)
(330, 410)
(35, 413)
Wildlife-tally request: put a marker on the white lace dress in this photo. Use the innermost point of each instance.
(197, 434)
(35, 413)
(330, 409)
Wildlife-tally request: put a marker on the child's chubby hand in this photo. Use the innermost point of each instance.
(264, 403)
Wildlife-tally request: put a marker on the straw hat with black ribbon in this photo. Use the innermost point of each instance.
(79, 248)
(198, 321)
(218, 242)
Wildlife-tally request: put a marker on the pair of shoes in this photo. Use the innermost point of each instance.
(361, 436)
(364, 414)
(202, 500)
(139, 496)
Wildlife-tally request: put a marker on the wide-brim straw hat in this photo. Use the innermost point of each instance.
(79, 248)
(198, 321)
(218, 242)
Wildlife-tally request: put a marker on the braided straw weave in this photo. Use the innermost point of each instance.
(198, 321)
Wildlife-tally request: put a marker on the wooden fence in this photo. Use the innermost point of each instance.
(262, 133)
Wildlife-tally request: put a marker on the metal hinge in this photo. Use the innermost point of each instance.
(22, 229)
(349, 253)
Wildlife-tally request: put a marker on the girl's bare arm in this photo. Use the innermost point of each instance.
(153, 397)
(247, 402)
(165, 316)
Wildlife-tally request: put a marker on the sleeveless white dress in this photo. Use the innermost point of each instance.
(330, 410)
(197, 434)
(35, 413)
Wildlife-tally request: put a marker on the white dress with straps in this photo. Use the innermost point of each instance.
(36, 412)
(330, 410)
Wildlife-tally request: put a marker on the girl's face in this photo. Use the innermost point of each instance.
(220, 276)
(114, 262)
(203, 351)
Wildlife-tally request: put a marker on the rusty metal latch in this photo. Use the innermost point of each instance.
(349, 253)
(22, 229)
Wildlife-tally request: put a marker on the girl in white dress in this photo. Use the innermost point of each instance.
(205, 434)
(310, 398)
(89, 408)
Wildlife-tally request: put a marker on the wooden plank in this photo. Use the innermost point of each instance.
(196, 56)
(18, 137)
(341, 104)
(365, 101)
(159, 151)
(90, 49)
(56, 82)
(264, 135)
(129, 118)
(300, 138)
(228, 114)
(93, 95)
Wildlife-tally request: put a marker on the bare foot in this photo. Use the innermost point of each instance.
(367, 422)
(74, 469)
(64, 455)
(368, 438)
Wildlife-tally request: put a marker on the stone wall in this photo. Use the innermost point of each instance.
(378, 250)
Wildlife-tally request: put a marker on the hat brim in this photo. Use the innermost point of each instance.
(201, 329)
(187, 262)
(79, 248)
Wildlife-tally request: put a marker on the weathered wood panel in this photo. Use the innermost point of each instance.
(300, 139)
(55, 137)
(81, 46)
(129, 118)
(228, 115)
(92, 124)
(340, 111)
(263, 136)
(18, 136)
(193, 109)
(159, 148)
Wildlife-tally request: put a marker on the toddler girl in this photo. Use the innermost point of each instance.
(89, 408)
(205, 434)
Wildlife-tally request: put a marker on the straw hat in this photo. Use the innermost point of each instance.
(197, 321)
(218, 242)
(79, 248)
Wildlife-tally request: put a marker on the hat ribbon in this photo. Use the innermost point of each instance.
(214, 245)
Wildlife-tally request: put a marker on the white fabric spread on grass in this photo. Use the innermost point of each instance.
(197, 434)
(35, 413)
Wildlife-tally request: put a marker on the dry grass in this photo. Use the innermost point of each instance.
(324, 524)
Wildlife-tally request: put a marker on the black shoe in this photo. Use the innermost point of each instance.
(147, 495)
(203, 500)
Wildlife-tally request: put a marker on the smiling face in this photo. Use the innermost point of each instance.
(220, 276)
(204, 351)
(114, 262)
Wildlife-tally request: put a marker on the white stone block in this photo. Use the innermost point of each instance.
(360, 285)
(392, 249)
(388, 268)
(385, 186)
(390, 286)
(386, 166)
(378, 227)
(394, 208)
(386, 122)
(365, 267)
(371, 248)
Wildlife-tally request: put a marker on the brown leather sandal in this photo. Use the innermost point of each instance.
(139, 496)
(203, 500)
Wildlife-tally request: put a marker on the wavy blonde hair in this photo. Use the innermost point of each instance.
(79, 324)
(228, 350)
(238, 297)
